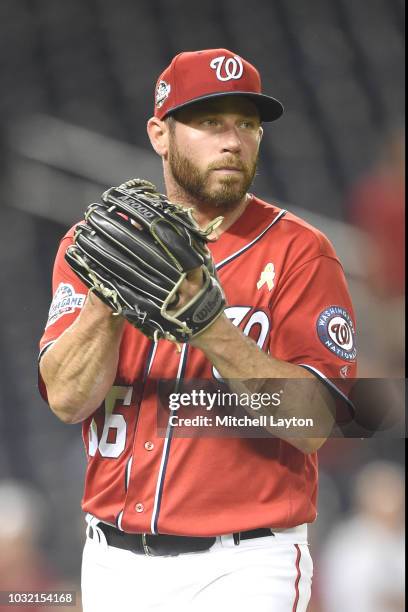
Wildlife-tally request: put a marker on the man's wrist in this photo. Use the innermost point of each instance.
(216, 332)
(100, 312)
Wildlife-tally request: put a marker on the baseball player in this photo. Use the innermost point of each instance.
(192, 523)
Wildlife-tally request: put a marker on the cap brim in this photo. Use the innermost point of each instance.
(269, 108)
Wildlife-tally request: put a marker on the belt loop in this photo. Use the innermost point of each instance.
(145, 546)
(237, 538)
(89, 530)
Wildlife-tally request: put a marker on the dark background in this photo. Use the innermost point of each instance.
(77, 83)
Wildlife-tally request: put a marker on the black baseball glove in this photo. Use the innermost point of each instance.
(135, 249)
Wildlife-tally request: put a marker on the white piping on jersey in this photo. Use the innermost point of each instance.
(152, 356)
(128, 468)
(165, 450)
(129, 463)
(330, 384)
(44, 348)
(247, 246)
(119, 520)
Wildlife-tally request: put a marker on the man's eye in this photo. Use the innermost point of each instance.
(209, 122)
(249, 125)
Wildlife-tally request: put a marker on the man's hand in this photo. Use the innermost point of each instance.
(189, 288)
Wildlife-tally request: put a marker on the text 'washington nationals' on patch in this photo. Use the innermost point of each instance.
(336, 331)
(64, 302)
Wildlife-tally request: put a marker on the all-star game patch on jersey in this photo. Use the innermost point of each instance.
(286, 289)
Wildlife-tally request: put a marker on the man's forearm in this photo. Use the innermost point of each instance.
(248, 369)
(80, 367)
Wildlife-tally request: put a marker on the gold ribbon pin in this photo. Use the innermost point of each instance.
(267, 276)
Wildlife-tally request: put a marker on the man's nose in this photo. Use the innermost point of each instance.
(231, 141)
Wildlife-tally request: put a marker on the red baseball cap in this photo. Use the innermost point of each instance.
(200, 75)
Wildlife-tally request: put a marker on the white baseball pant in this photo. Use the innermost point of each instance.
(269, 574)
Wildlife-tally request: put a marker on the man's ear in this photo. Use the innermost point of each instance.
(260, 133)
(157, 131)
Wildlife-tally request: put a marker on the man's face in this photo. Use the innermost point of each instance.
(213, 149)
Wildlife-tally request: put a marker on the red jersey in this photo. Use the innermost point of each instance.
(285, 287)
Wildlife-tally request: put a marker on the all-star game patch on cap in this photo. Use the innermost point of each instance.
(193, 76)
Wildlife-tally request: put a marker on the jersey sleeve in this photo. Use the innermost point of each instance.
(69, 294)
(314, 325)
(68, 297)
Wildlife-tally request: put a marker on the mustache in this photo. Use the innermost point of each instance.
(229, 163)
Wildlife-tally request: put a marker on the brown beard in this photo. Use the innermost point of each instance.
(195, 182)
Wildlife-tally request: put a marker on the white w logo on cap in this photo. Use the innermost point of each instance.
(233, 67)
